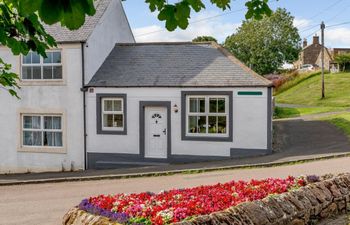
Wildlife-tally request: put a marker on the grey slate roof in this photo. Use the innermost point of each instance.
(174, 65)
(62, 34)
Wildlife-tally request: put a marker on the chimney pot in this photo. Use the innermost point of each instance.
(304, 43)
(316, 40)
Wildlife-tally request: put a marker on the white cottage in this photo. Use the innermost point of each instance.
(175, 102)
(44, 130)
(94, 104)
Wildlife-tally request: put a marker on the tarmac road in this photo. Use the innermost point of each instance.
(37, 204)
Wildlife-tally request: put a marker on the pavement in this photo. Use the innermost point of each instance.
(46, 203)
(296, 140)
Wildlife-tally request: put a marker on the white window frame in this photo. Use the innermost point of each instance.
(41, 64)
(207, 114)
(103, 112)
(42, 130)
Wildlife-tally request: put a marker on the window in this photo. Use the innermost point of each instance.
(112, 114)
(42, 130)
(207, 115)
(35, 67)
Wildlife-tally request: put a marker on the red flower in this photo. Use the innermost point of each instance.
(178, 204)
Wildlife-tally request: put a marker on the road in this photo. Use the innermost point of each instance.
(38, 204)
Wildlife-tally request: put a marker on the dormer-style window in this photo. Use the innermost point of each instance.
(35, 67)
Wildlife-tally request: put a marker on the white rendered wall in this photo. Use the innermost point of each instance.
(249, 122)
(113, 28)
(65, 98)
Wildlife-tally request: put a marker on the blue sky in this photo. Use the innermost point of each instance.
(308, 14)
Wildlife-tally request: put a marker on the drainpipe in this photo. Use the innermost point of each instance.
(84, 89)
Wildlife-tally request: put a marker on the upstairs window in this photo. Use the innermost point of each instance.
(35, 67)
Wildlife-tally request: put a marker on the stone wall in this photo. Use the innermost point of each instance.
(76, 216)
(305, 205)
(302, 206)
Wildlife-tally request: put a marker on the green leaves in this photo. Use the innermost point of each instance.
(175, 15)
(22, 31)
(8, 80)
(222, 4)
(257, 9)
(204, 39)
(71, 13)
(178, 14)
(27, 7)
(266, 44)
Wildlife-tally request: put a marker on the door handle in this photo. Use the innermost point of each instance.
(164, 131)
(156, 135)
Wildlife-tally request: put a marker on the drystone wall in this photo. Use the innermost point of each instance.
(302, 206)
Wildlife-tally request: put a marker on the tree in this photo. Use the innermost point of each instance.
(204, 38)
(266, 44)
(22, 31)
(343, 60)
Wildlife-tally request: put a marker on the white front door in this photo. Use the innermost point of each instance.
(156, 132)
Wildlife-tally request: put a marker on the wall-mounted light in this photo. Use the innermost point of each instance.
(176, 108)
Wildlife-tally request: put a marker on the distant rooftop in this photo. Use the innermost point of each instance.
(179, 64)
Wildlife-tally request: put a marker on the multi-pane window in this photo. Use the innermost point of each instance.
(112, 114)
(35, 67)
(42, 130)
(207, 115)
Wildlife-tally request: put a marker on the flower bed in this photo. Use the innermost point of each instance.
(182, 204)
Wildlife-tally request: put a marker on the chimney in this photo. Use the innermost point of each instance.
(316, 39)
(304, 43)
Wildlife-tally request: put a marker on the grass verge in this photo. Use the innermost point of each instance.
(307, 91)
(342, 121)
(295, 80)
(283, 112)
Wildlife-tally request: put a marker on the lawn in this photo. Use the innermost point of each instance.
(283, 112)
(342, 121)
(307, 91)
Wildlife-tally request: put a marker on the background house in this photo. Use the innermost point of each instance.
(311, 54)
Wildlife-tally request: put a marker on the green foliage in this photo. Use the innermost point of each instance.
(266, 44)
(342, 121)
(294, 80)
(285, 112)
(204, 39)
(177, 14)
(22, 31)
(8, 79)
(343, 60)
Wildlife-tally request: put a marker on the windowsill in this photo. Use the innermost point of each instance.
(207, 138)
(60, 150)
(118, 132)
(42, 82)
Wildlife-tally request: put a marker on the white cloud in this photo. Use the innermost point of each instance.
(337, 37)
(209, 27)
(301, 23)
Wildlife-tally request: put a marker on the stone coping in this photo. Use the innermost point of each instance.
(302, 206)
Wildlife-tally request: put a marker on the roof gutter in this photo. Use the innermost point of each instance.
(84, 89)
